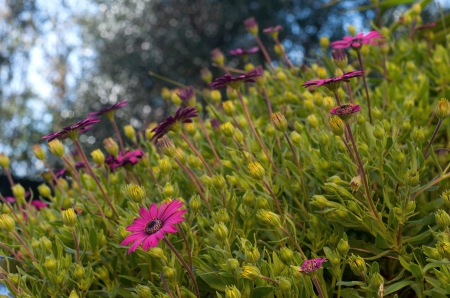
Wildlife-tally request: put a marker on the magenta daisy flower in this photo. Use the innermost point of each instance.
(356, 41)
(72, 131)
(251, 25)
(109, 111)
(182, 115)
(129, 158)
(235, 82)
(345, 111)
(270, 30)
(153, 223)
(312, 265)
(63, 172)
(334, 83)
(241, 52)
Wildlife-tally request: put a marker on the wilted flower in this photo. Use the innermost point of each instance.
(108, 111)
(312, 265)
(340, 58)
(279, 121)
(187, 95)
(345, 111)
(235, 82)
(357, 41)
(72, 131)
(334, 83)
(355, 183)
(153, 223)
(182, 115)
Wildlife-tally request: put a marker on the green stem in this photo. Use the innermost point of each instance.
(365, 85)
(185, 138)
(116, 129)
(263, 49)
(208, 139)
(188, 248)
(438, 126)
(294, 242)
(275, 199)
(77, 247)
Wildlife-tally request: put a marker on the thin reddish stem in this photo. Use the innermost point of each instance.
(263, 49)
(116, 129)
(185, 138)
(365, 86)
(202, 124)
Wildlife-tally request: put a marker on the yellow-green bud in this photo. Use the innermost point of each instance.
(168, 190)
(270, 131)
(278, 49)
(232, 264)
(222, 215)
(324, 42)
(165, 166)
(313, 121)
(44, 190)
(360, 120)
(90, 182)
(190, 128)
(169, 273)
(446, 196)
(216, 96)
(165, 93)
(79, 272)
(239, 136)
(250, 272)
(343, 247)
(129, 132)
(229, 108)
(69, 217)
(416, 8)
(412, 177)
(248, 197)
(227, 129)
(252, 255)
(337, 125)
(442, 218)
(73, 294)
(256, 170)
(180, 156)
(102, 273)
(351, 29)
(220, 231)
(35, 243)
(39, 152)
(4, 160)
(217, 57)
(176, 100)
(365, 50)
(219, 182)
(56, 148)
(157, 253)
(281, 76)
(443, 248)
(322, 72)
(296, 138)
(111, 147)
(231, 93)
(143, 291)
(376, 280)
(195, 203)
(378, 132)
(98, 157)
(46, 243)
(279, 121)
(285, 285)
(167, 147)
(134, 192)
(7, 223)
(232, 292)
(19, 193)
(357, 264)
(286, 254)
(14, 278)
(268, 218)
(249, 67)
(50, 263)
(194, 162)
(443, 109)
(242, 121)
(418, 134)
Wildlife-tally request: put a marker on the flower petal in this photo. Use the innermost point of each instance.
(133, 237)
(145, 214)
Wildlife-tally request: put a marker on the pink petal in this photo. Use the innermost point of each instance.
(135, 245)
(175, 217)
(150, 241)
(145, 214)
(133, 237)
(169, 229)
(153, 211)
(171, 208)
(159, 234)
(138, 225)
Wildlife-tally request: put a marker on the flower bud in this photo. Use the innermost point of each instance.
(238, 136)
(285, 285)
(143, 291)
(206, 75)
(351, 29)
(111, 147)
(216, 96)
(250, 272)
(443, 109)
(195, 203)
(418, 134)
(165, 166)
(376, 280)
(220, 231)
(278, 49)
(229, 108)
(268, 218)
(45, 242)
(217, 57)
(416, 8)
(165, 93)
(98, 157)
(256, 170)
(322, 72)
(134, 192)
(324, 42)
(252, 255)
(44, 190)
(443, 248)
(169, 273)
(194, 162)
(219, 182)
(73, 294)
(357, 264)
(343, 247)
(4, 160)
(190, 128)
(69, 217)
(412, 177)
(56, 148)
(355, 183)
(296, 138)
(337, 125)
(19, 193)
(129, 132)
(79, 272)
(39, 152)
(222, 215)
(102, 273)
(227, 129)
(50, 263)
(446, 196)
(232, 264)
(157, 253)
(248, 197)
(313, 121)
(168, 190)
(378, 132)
(90, 182)
(286, 254)
(7, 223)
(231, 93)
(14, 278)
(442, 218)
(279, 121)
(232, 292)
(282, 76)
(35, 243)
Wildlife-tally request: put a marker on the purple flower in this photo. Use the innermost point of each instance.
(215, 124)
(241, 52)
(187, 95)
(312, 265)
(38, 204)
(333, 83)
(345, 111)
(63, 172)
(182, 115)
(72, 131)
(270, 30)
(357, 41)
(251, 25)
(108, 111)
(234, 82)
(426, 26)
(123, 159)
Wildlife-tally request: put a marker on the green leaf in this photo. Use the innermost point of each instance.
(137, 280)
(261, 291)
(397, 286)
(393, 174)
(380, 242)
(404, 263)
(93, 238)
(416, 271)
(435, 160)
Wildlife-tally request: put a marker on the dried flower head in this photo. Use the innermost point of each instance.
(152, 224)
(334, 83)
(72, 131)
(187, 95)
(182, 115)
(312, 265)
(235, 82)
(109, 111)
(345, 111)
(357, 41)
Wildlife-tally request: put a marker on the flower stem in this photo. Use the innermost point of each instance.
(365, 86)
(183, 262)
(363, 173)
(25, 247)
(185, 138)
(269, 279)
(193, 181)
(269, 107)
(4, 277)
(349, 91)
(180, 230)
(263, 148)
(77, 247)
(438, 126)
(294, 242)
(202, 124)
(277, 41)
(116, 129)
(277, 202)
(263, 49)
(318, 287)
(166, 286)
(88, 166)
(336, 95)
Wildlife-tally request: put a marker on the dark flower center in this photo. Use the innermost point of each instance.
(153, 226)
(357, 40)
(344, 110)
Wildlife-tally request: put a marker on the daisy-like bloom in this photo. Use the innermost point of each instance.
(187, 95)
(345, 111)
(129, 158)
(251, 25)
(72, 131)
(153, 223)
(334, 83)
(241, 52)
(235, 82)
(273, 31)
(217, 56)
(215, 125)
(109, 111)
(340, 58)
(357, 41)
(173, 123)
(312, 265)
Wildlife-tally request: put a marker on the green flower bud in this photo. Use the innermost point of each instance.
(195, 203)
(376, 280)
(39, 152)
(180, 156)
(443, 248)
(285, 285)
(296, 138)
(50, 263)
(412, 177)
(324, 42)
(446, 196)
(167, 147)
(227, 129)
(229, 108)
(232, 264)
(194, 162)
(268, 218)
(279, 50)
(279, 121)
(165, 93)
(45, 242)
(143, 291)
(169, 273)
(309, 105)
(129, 132)
(442, 218)
(44, 190)
(219, 182)
(337, 125)
(134, 192)
(14, 278)
(250, 272)
(351, 29)
(216, 96)
(242, 121)
(378, 132)
(343, 247)
(19, 193)
(35, 243)
(357, 264)
(319, 201)
(98, 157)
(222, 216)
(418, 134)
(61, 278)
(313, 121)
(248, 197)
(256, 170)
(73, 294)
(206, 180)
(165, 166)
(168, 190)
(286, 254)
(4, 160)
(252, 255)
(7, 223)
(69, 217)
(111, 146)
(232, 292)
(79, 272)
(157, 253)
(238, 136)
(56, 148)
(190, 128)
(102, 273)
(220, 231)
(270, 131)
(443, 109)
(324, 139)
(431, 252)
